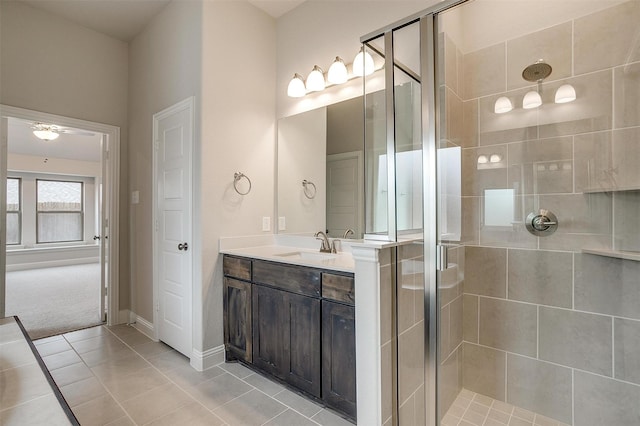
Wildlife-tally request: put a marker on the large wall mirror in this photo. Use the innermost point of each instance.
(321, 171)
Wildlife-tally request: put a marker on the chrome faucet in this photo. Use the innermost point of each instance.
(326, 245)
(347, 233)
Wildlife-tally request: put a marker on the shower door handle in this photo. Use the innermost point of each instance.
(442, 257)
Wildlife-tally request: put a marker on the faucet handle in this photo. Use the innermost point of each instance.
(334, 249)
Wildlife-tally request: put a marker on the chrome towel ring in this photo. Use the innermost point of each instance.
(308, 192)
(236, 178)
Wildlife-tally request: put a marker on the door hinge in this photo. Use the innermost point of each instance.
(156, 144)
(157, 225)
(106, 154)
(158, 307)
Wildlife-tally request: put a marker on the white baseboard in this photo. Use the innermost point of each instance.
(51, 264)
(207, 359)
(143, 326)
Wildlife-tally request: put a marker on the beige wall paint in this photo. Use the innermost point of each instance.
(52, 65)
(238, 135)
(164, 68)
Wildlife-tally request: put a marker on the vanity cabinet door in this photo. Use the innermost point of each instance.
(268, 330)
(237, 319)
(302, 342)
(339, 357)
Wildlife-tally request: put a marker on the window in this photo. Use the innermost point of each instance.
(59, 211)
(14, 211)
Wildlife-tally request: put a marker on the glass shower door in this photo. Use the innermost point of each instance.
(539, 200)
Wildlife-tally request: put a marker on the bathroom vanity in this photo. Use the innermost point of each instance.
(294, 322)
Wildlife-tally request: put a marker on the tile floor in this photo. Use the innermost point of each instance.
(118, 376)
(474, 409)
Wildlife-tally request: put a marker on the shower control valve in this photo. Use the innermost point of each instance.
(542, 224)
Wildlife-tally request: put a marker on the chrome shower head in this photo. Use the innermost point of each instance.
(537, 72)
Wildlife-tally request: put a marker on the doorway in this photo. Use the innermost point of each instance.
(58, 210)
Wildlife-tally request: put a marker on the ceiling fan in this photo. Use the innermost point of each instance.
(49, 132)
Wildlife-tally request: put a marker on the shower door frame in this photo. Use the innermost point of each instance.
(434, 254)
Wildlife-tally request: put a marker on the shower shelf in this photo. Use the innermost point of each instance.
(627, 255)
(601, 190)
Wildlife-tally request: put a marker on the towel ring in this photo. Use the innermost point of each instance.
(307, 193)
(236, 178)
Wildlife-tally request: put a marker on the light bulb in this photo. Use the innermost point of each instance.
(337, 72)
(495, 158)
(296, 87)
(46, 134)
(483, 159)
(565, 93)
(502, 105)
(531, 100)
(363, 64)
(315, 80)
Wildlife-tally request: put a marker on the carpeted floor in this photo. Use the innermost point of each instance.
(52, 301)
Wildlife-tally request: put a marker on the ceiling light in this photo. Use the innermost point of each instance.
(315, 80)
(483, 159)
(565, 93)
(337, 72)
(531, 100)
(46, 134)
(296, 87)
(502, 105)
(363, 64)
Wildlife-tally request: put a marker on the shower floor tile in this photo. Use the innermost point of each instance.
(474, 409)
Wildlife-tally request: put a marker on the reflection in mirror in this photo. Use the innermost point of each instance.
(322, 146)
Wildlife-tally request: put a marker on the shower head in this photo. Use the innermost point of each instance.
(537, 72)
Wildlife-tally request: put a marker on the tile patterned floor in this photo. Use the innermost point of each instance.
(474, 409)
(117, 376)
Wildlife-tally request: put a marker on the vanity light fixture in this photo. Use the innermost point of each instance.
(483, 159)
(296, 87)
(502, 105)
(565, 93)
(315, 80)
(337, 72)
(363, 64)
(46, 133)
(495, 158)
(531, 100)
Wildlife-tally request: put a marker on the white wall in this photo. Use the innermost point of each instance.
(238, 135)
(318, 31)
(164, 68)
(52, 65)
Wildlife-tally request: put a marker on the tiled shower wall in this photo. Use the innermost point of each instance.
(406, 262)
(545, 326)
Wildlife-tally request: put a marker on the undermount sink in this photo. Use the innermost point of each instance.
(308, 255)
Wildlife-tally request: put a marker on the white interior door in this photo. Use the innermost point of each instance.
(103, 225)
(173, 133)
(344, 193)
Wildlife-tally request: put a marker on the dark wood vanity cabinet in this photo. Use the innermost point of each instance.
(339, 356)
(286, 335)
(237, 318)
(295, 323)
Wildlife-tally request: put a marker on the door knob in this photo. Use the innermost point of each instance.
(96, 237)
(183, 246)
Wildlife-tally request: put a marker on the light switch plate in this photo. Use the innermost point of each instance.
(282, 223)
(266, 223)
(135, 197)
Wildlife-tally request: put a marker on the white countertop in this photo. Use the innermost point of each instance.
(341, 261)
